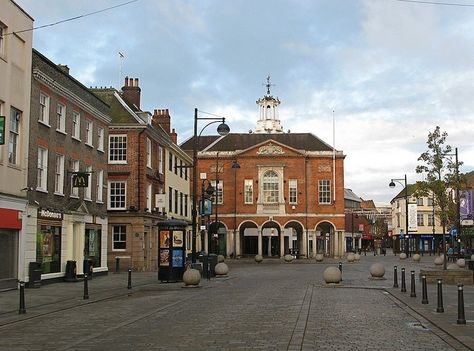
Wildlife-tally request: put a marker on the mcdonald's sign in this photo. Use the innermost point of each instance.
(80, 180)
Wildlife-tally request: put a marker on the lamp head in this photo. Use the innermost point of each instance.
(223, 129)
(235, 164)
(392, 184)
(210, 189)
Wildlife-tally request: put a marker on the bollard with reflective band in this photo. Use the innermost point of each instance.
(461, 316)
(129, 286)
(86, 288)
(424, 299)
(340, 269)
(404, 285)
(440, 308)
(395, 277)
(22, 309)
(412, 284)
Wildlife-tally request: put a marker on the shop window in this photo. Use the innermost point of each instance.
(48, 248)
(92, 246)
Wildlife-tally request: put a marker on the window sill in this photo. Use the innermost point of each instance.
(87, 199)
(89, 145)
(74, 196)
(58, 194)
(76, 139)
(41, 190)
(99, 202)
(61, 131)
(101, 151)
(117, 162)
(44, 123)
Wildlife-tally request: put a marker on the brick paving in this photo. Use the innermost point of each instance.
(268, 306)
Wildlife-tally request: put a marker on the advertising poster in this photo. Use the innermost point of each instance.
(178, 258)
(412, 217)
(164, 239)
(165, 257)
(178, 239)
(465, 204)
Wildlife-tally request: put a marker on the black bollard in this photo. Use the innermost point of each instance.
(22, 309)
(440, 308)
(129, 286)
(117, 264)
(461, 317)
(86, 288)
(424, 299)
(404, 284)
(395, 277)
(413, 292)
(340, 269)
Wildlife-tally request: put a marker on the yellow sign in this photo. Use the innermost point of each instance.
(80, 180)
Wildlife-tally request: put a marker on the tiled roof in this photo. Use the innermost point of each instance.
(242, 141)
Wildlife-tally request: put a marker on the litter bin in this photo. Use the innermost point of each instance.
(70, 272)
(471, 265)
(204, 259)
(88, 268)
(212, 264)
(34, 272)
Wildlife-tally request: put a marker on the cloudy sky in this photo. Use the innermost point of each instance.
(391, 70)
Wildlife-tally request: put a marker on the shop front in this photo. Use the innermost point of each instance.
(10, 228)
(48, 240)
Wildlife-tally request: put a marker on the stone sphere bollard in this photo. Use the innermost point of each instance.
(332, 275)
(356, 257)
(191, 277)
(377, 271)
(402, 256)
(472, 257)
(438, 261)
(350, 257)
(258, 258)
(319, 257)
(288, 258)
(461, 263)
(220, 258)
(221, 269)
(416, 258)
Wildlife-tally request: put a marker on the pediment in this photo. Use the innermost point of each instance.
(270, 148)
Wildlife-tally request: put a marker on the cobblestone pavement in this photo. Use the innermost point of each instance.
(268, 306)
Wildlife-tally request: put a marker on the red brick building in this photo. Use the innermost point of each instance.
(287, 196)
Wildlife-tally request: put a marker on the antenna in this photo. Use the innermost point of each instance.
(121, 57)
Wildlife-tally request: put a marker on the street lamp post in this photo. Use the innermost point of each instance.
(392, 185)
(222, 129)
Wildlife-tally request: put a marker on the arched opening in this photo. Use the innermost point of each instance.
(248, 232)
(218, 238)
(325, 238)
(293, 239)
(271, 239)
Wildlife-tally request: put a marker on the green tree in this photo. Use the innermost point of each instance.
(441, 178)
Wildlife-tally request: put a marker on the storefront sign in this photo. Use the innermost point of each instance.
(2, 130)
(49, 214)
(80, 180)
(412, 217)
(10, 219)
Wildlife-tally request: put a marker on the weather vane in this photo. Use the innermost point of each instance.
(268, 85)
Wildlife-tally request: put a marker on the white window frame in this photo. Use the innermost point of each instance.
(148, 152)
(61, 118)
(160, 159)
(100, 186)
(218, 192)
(121, 235)
(149, 189)
(292, 191)
(270, 187)
(3, 29)
(88, 189)
(112, 191)
(59, 175)
(44, 109)
(117, 150)
(100, 139)
(431, 220)
(14, 135)
(248, 191)
(89, 131)
(75, 168)
(76, 125)
(42, 170)
(324, 192)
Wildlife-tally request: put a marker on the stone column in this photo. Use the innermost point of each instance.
(269, 248)
(304, 245)
(237, 252)
(282, 243)
(259, 242)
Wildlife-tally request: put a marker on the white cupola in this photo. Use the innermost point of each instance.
(269, 119)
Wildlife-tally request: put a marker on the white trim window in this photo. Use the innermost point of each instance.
(75, 168)
(117, 195)
(89, 129)
(118, 148)
(42, 174)
(76, 125)
(430, 220)
(100, 186)
(119, 237)
(148, 152)
(324, 191)
(59, 175)
(293, 191)
(61, 118)
(270, 187)
(161, 156)
(3, 30)
(88, 190)
(218, 192)
(100, 139)
(149, 190)
(248, 191)
(14, 136)
(44, 109)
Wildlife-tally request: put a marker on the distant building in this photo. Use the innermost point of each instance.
(15, 85)
(287, 196)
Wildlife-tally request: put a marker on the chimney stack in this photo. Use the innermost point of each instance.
(131, 91)
(64, 68)
(174, 136)
(163, 119)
